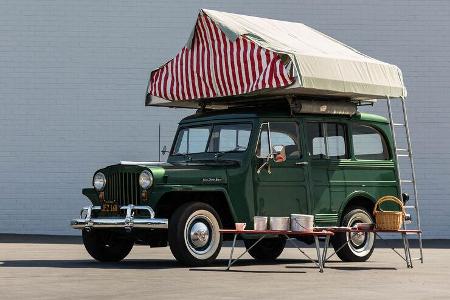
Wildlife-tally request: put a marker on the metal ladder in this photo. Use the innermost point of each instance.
(407, 153)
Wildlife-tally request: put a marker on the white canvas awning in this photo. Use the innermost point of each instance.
(295, 59)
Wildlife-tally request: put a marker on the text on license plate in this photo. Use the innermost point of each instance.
(110, 207)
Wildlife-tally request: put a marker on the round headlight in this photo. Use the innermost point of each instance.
(99, 181)
(145, 179)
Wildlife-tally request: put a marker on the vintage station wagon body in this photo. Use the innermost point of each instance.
(333, 163)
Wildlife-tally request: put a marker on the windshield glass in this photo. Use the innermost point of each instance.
(217, 138)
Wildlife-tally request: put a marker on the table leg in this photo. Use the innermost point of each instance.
(319, 256)
(407, 251)
(230, 263)
(325, 250)
(231, 253)
(302, 252)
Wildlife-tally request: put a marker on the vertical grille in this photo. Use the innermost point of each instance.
(122, 188)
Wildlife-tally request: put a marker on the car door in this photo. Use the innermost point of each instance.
(280, 187)
(327, 148)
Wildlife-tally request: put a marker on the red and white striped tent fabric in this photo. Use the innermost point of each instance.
(229, 55)
(215, 66)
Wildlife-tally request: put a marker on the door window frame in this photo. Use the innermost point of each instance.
(299, 140)
(323, 128)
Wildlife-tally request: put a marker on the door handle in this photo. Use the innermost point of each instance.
(301, 163)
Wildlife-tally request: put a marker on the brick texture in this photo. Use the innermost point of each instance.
(73, 76)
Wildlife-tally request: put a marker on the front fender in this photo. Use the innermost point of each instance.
(158, 193)
(92, 195)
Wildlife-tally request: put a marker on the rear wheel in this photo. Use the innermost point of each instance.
(106, 246)
(267, 249)
(356, 247)
(194, 236)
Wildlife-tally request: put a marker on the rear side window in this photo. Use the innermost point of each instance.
(368, 143)
(327, 140)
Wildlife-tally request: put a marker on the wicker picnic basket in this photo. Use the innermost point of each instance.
(388, 220)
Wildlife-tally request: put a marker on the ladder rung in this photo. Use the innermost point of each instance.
(402, 155)
(416, 258)
(400, 149)
(407, 181)
(410, 206)
(399, 124)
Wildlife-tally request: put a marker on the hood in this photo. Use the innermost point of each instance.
(186, 173)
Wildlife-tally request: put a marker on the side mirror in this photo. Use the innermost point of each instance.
(279, 153)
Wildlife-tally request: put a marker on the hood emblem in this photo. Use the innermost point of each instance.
(211, 180)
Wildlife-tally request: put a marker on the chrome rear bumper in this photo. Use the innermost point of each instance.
(129, 222)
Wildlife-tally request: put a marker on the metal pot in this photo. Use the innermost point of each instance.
(260, 223)
(279, 223)
(302, 222)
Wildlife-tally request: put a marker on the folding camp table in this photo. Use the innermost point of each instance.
(283, 233)
(404, 233)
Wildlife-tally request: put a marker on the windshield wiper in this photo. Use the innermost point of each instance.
(221, 153)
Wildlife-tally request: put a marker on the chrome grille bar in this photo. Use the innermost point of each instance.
(123, 188)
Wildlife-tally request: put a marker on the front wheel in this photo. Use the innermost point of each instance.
(266, 249)
(106, 246)
(356, 247)
(194, 236)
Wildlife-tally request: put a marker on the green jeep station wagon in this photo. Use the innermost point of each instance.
(227, 166)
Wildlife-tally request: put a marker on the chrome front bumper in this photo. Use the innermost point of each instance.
(129, 222)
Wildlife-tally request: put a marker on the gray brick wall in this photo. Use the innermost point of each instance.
(73, 76)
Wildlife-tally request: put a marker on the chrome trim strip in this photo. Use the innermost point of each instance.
(128, 223)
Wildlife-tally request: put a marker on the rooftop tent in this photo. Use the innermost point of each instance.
(229, 57)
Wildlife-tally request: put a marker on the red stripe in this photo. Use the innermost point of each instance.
(226, 76)
(253, 65)
(158, 74)
(267, 70)
(178, 76)
(246, 65)
(233, 67)
(206, 68)
(193, 83)
(201, 54)
(164, 82)
(172, 87)
(239, 66)
(195, 55)
(187, 74)
(275, 72)
(283, 75)
(215, 54)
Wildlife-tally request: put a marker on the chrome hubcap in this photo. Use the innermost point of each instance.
(199, 235)
(360, 243)
(358, 238)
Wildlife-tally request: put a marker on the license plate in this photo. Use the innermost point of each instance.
(110, 207)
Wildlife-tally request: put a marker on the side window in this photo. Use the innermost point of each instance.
(368, 143)
(286, 134)
(327, 140)
(336, 141)
(316, 140)
(281, 133)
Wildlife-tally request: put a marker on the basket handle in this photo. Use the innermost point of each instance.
(386, 199)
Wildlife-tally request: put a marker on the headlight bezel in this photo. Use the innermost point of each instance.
(99, 176)
(149, 179)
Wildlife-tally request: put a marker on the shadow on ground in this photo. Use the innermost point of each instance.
(151, 264)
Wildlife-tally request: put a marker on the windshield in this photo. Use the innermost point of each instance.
(212, 138)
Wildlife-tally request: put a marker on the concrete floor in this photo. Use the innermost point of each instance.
(65, 271)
